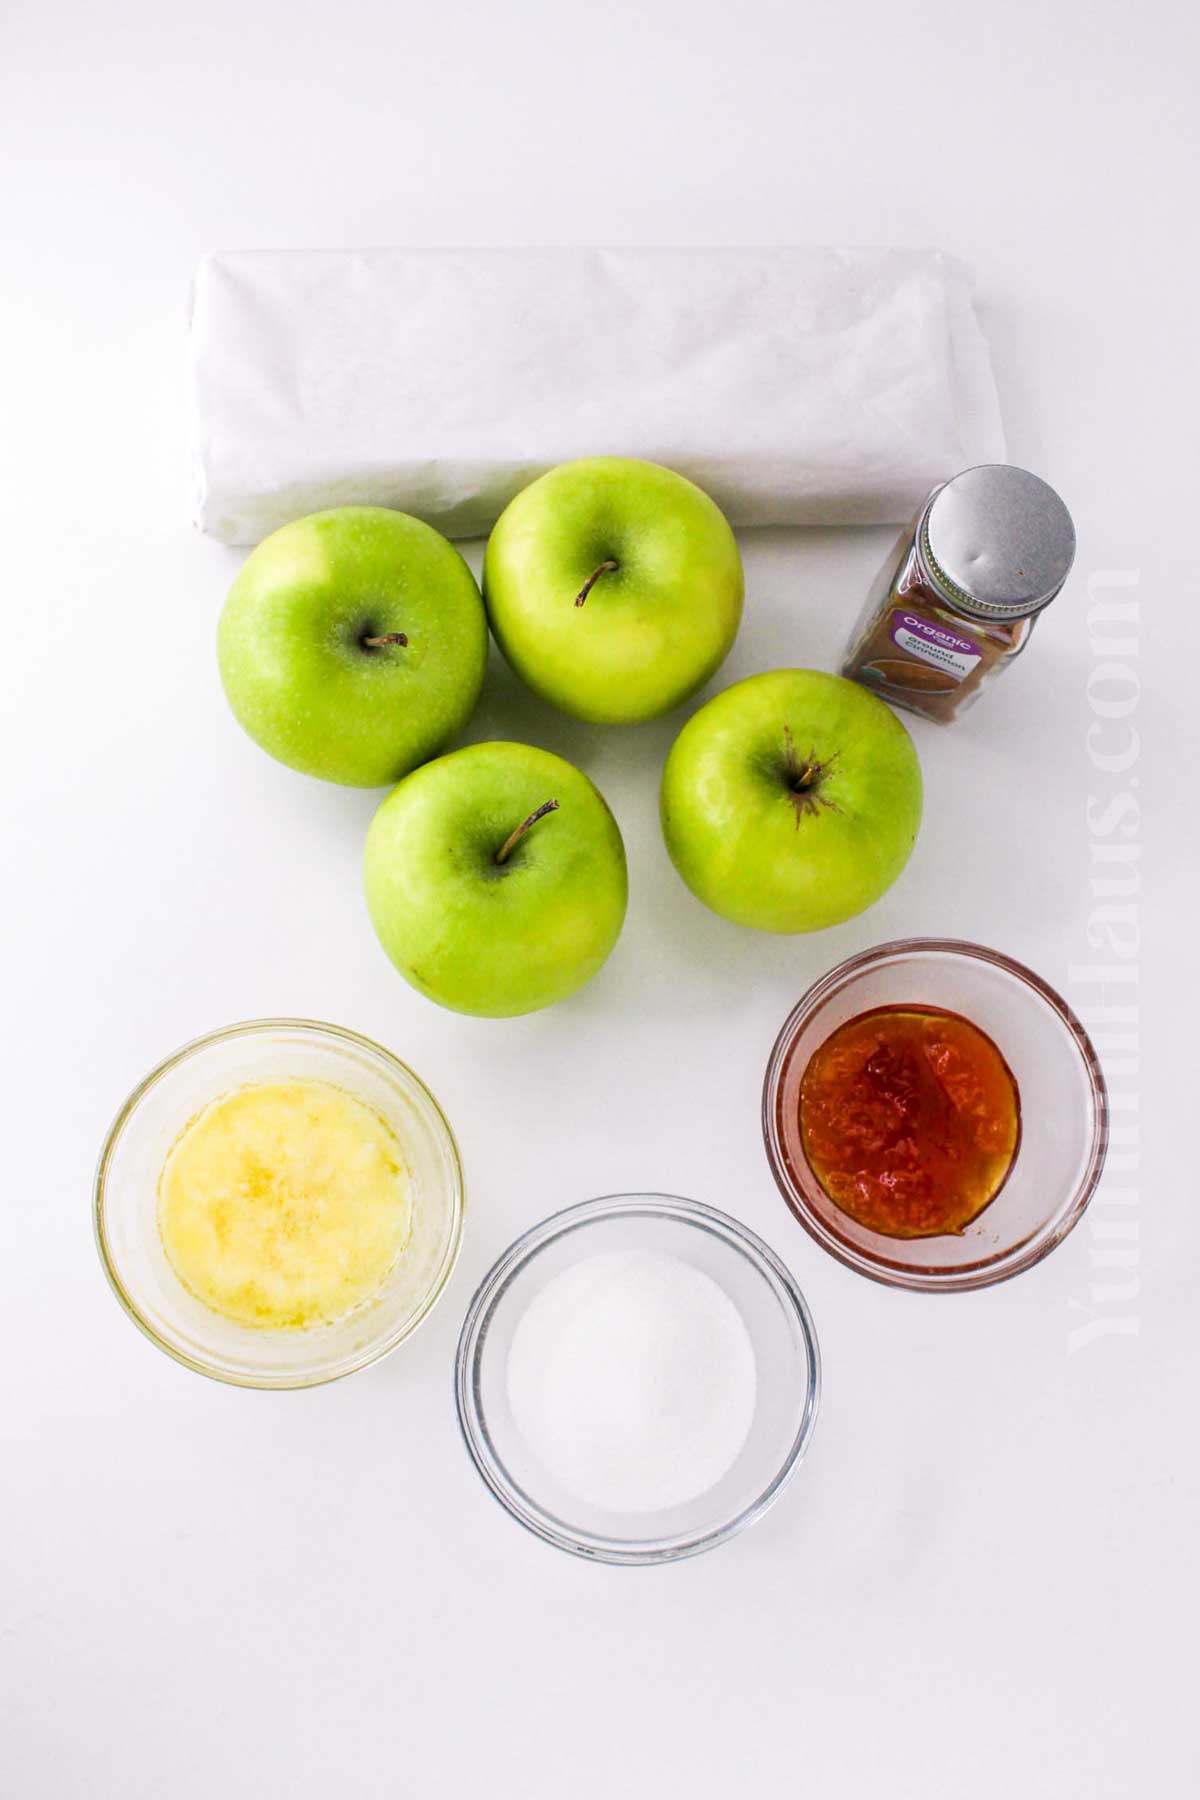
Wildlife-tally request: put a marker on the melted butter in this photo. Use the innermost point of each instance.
(285, 1205)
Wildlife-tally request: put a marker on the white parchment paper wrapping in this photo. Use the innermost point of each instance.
(799, 387)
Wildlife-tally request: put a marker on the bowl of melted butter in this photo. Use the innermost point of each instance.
(279, 1203)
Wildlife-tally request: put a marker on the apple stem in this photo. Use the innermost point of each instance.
(606, 567)
(388, 637)
(514, 836)
(805, 780)
(801, 777)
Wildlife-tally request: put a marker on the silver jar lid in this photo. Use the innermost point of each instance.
(998, 541)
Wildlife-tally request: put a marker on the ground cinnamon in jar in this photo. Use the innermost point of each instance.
(957, 601)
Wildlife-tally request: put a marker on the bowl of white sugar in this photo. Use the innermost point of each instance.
(637, 1378)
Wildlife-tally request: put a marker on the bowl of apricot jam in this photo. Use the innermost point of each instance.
(935, 1115)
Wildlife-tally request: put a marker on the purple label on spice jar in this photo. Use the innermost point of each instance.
(933, 644)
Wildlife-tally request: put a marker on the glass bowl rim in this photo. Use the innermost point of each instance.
(264, 1027)
(491, 1289)
(1007, 1263)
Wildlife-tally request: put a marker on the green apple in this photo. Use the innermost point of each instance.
(495, 878)
(352, 645)
(791, 801)
(614, 588)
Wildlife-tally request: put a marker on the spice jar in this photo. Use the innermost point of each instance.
(988, 550)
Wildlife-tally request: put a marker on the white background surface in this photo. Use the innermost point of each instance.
(982, 1580)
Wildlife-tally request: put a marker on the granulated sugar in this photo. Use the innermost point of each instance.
(632, 1379)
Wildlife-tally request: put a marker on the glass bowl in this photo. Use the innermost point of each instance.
(126, 1198)
(1064, 1111)
(788, 1376)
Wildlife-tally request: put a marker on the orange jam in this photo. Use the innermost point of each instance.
(910, 1120)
